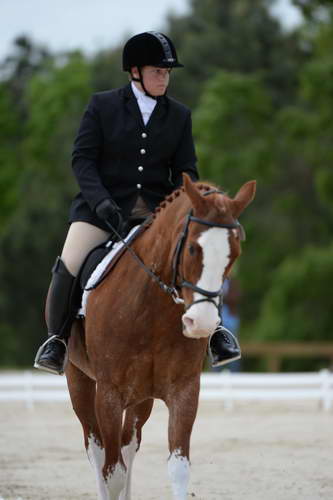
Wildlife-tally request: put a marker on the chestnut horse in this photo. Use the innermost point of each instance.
(138, 344)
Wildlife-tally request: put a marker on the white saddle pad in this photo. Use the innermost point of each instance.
(101, 268)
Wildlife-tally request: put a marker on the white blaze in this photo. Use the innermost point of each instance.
(179, 473)
(201, 319)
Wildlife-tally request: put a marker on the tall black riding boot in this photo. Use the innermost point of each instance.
(223, 347)
(52, 355)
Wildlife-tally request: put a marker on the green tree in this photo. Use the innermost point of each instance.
(293, 305)
(237, 36)
(24, 61)
(30, 239)
(233, 130)
(106, 70)
(314, 10)
(262, 102)
(9, 157)
(241, 135)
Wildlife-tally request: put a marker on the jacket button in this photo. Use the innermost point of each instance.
(138, 186)
(144, 135)
(143, 151)
(140, 168)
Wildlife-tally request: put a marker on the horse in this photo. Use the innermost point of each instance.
(146, 331)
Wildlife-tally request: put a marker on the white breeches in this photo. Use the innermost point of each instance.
(81, 238)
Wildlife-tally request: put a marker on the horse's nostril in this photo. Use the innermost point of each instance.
(188, 322)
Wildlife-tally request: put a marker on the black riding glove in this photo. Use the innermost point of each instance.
(109, 211)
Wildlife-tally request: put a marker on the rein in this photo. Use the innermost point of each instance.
(172, 289)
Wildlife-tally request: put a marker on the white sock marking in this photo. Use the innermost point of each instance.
(128, 453)
(115, 482)
(96, 457)
(179, 473)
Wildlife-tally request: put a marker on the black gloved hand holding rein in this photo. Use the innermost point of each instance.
(109, 211)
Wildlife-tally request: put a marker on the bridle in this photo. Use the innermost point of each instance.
(176, 282)
(182, 283)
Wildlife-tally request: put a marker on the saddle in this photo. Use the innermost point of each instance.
(95, 257)
(92, 260)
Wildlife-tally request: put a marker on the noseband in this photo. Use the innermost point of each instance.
(174, 287)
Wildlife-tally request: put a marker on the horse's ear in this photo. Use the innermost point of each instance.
(193, 193)
(243, 198)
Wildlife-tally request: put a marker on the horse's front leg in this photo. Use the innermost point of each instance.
(136, 417)
(182, 403)
(109, 415)
(82, 391)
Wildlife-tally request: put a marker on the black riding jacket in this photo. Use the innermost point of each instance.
(116, 155)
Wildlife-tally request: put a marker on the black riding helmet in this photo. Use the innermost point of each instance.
(150, 48)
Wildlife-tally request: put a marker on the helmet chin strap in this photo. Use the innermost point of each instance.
(140, 80)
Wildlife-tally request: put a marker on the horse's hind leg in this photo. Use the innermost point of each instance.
(182, 404)
(82, 390)
(135, 419)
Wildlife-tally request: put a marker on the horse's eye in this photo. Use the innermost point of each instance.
(191, 249)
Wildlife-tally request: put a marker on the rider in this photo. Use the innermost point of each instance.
(131, 149)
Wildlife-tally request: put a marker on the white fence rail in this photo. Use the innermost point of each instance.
(231, 387)
(31, 387)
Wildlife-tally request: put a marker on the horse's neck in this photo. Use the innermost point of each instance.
(157, 243)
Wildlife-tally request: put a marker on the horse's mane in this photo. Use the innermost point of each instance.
(177, 192)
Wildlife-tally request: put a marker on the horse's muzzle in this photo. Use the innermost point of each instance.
(197, 328)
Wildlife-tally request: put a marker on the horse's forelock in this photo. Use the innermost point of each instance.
(216, 202)
(206, 187)
(221, 203)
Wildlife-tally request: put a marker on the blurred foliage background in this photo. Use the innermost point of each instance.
(262, 101)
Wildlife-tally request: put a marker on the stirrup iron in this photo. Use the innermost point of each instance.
(40, 352)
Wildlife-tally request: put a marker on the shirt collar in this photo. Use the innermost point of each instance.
(141, 95)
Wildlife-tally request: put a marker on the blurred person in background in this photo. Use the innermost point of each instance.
(230, 314)
(132, 147)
